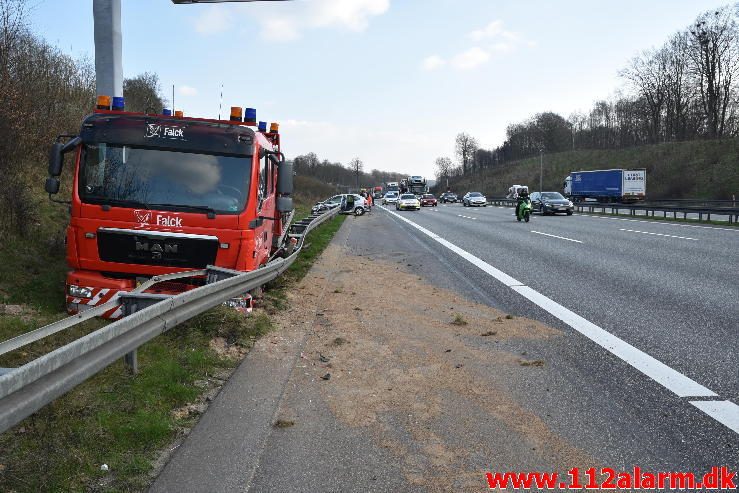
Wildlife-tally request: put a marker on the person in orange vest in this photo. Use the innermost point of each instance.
(369, 201)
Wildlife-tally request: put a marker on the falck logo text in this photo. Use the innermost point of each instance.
(159, 131)
(144, 217)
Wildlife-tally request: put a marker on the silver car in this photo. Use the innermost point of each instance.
(474, 199)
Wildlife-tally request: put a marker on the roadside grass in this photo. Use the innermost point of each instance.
(114, 418)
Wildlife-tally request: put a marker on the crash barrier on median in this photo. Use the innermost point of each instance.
(666, 210)
(26, 389)
(704, 209)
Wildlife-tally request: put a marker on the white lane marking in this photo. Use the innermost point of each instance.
(656, 370)
(555, 236)
(725, 412)
(657, 234)
(466, 217)
(736, 230)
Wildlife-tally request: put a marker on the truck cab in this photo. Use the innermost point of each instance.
(156, 194)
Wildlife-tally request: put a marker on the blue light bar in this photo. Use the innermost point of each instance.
(250, 116)
(167, 112)
(118, 103)
(262, 126)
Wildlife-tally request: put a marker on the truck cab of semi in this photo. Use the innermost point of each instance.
(156, 194)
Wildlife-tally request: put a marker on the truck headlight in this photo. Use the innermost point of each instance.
(79, 291)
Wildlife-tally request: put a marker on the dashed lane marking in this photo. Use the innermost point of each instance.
(555, 236)
(658, 234)
(725, 412)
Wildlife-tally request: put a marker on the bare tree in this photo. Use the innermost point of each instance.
(677, 90)
(444, 167)
(714, 54)
(465, 147)
(357, 166)
(648, 74)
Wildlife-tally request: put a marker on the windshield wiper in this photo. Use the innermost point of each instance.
(121, 202)
(203, 208)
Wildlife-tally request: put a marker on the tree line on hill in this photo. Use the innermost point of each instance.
(343, 178)
(684, 90)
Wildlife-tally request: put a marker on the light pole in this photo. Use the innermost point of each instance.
(541, 170)
(109, 41)
(572, 127)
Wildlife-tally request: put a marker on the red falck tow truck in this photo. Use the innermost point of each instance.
(154, 194)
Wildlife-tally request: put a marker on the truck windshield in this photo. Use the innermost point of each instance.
(161, 179)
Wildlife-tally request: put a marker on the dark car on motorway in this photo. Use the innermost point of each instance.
(428, 199)
(448, 197)
(551, 203)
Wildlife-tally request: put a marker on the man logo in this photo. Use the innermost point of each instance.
(153, 130)
(156, 249)
(142, 216)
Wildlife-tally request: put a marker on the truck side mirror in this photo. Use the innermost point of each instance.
(284, 178)
(56, 159)
(52, 185)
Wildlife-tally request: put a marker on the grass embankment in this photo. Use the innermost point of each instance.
(114, 418)
(701, 169)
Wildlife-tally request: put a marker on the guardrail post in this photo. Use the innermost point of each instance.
(131, 360)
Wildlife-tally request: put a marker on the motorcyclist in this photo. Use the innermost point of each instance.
(523, 198)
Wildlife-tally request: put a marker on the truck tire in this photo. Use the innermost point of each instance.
(569, 213)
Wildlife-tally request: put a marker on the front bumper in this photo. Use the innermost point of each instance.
(103, 289)
(557, 208)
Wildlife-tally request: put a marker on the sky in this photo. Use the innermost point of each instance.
(389, 81)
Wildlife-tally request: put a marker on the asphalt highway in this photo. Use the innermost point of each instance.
(643, 370)
(669, 290)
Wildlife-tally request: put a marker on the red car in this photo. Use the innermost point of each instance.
(428, 199)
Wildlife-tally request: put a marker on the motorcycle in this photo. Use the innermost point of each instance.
(523, 210)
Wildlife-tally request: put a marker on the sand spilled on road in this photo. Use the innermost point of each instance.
(419, 368)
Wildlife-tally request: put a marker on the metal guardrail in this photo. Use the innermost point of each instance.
(26, 389)
(731, 213)
(677, 207)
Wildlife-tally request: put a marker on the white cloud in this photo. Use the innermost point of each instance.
(215, 20)
(491, 30)
(501, 47)
(280, 30)
(351, 14)
(493, 39)
(288, 21)
(433, 62)
(188, 91)
(471, 58)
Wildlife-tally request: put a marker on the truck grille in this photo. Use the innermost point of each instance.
(156, 248)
